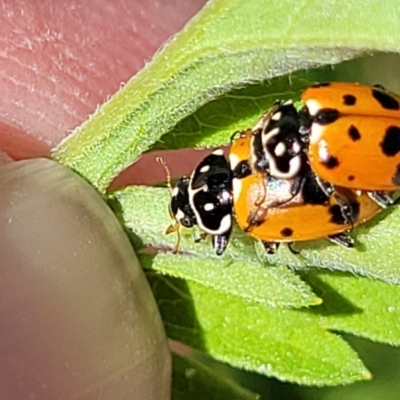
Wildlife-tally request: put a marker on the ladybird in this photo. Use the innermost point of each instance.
(205, 199)
(276, 146)
(353, 134)
(265, 208)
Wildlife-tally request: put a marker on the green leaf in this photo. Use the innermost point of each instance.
(287, 344)
(361, 306)
(194, 380)
(225, 305)
(239, 272)
(242, 268)
(228, 44)
(214, 123)
(384, 361)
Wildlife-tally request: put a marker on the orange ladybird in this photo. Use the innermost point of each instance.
(354, 135)
(309, 215)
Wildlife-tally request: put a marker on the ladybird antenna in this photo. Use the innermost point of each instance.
(161, 161)
(175, 227)
(178, 242)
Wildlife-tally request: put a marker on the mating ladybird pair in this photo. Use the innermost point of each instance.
(300, 175)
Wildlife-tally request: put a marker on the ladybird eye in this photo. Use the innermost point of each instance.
(186, 222)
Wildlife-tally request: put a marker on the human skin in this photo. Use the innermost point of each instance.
(58, 62)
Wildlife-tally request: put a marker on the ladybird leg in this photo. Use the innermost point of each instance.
(261, 196)
(396, 202)
(220, 242)
(305, 125)
(345, 204)
(347, 210)
(382, 199)
(259, 216)
(297, 185)
(292, 250)
(326, 187)
(256, 218)
(342, 240)
(202, 236)
(270, 247)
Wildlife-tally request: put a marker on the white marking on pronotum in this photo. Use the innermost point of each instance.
(280, 149)
(218, 152)
(295, 165)
(317, 132)
(277, 116)
(204, 169)
(313, 107)
(266, 137)
(234, 160)
(323, 152)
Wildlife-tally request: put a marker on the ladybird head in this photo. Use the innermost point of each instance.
(179, 207)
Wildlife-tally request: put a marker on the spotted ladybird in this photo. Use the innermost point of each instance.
(205, 199)
(265, 208)
(353, 132)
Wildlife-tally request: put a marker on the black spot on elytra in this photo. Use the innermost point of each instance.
(350, 178)
(349, 100)
(287, 232)
(323, 84)
(331, 162)
(326, 116)
(385, 100)
(396, 176)
(391, 142)
(354, 133)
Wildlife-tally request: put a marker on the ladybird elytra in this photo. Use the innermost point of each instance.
(303, 221)
(369, 100)
(360, 149)
(355, 166)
